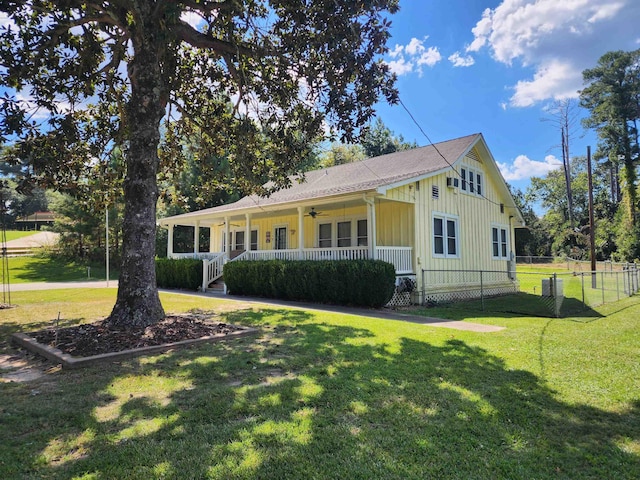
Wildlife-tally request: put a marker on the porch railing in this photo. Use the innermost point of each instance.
(212, 269)
(340, 253)
(400, 257)
(198, 256)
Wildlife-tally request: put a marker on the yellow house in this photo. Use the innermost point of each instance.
(443, 207)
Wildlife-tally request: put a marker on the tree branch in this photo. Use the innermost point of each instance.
(190, 35)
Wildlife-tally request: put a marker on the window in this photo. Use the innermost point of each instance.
(362, 233)
(499, 242)
(254, 239)
(324, 235)
(239, 243)
(344, 234)
(471, 180)
(445, 236)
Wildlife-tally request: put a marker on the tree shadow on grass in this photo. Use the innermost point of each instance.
(506, 306)
(311, 399)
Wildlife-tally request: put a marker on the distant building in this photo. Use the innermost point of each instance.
(35, 221)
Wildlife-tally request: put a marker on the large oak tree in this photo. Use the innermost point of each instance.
(260, 79)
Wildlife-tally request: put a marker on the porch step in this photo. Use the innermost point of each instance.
(217, 287)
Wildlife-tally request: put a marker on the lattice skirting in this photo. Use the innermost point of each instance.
(400, 300)
(451, 296)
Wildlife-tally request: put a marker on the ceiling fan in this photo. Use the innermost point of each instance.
(313, 213)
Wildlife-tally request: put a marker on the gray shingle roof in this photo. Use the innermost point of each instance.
(362, 176)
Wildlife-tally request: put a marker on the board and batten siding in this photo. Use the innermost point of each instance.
(475, 216)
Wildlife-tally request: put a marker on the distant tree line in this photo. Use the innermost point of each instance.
(612, 99)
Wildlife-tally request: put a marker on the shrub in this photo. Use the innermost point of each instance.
(179, 273)
(365, 283)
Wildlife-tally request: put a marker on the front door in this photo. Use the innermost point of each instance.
(280, 238)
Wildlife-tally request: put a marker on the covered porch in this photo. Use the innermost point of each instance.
(344, 228)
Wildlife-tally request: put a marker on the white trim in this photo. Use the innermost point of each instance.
(286, 236)
(334, 221)
(501, 227)
(384, 189)
(445, 217)
(466, 185)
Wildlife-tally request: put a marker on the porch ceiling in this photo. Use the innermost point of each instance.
(320, 204)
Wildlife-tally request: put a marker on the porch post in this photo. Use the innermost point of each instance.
(170, 242)
(301, 232)
(196, 238)
(247, 232)
(227, 239)
(371, 227)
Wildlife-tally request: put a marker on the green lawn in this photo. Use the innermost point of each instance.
(15, 234)
(330, 396)
(43, 269)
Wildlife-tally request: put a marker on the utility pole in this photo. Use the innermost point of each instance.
(592, 226)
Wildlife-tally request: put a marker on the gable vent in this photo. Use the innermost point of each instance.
(472, 155)
(435, 192)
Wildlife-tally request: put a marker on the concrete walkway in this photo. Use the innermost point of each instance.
(384, 314)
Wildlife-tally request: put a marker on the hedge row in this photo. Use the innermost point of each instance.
(179, 273)
(365, 283)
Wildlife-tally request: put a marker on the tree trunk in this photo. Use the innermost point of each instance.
(138, 303)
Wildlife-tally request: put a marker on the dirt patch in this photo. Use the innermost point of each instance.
(96, 339)
(22, 367)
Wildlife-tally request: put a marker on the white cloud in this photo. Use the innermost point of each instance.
(430, 57)
(400, 66)
(555, 80)
(557, 38)
(523, 167)
(410, 57)
(461, 61)
(396, 51)
(415, 46)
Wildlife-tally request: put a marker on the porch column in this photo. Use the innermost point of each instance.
(196, 238)
(371, 227)
(301, 232)
(247, 232)
(227, 239)
(170, 242)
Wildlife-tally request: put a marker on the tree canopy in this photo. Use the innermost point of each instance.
(258, 80)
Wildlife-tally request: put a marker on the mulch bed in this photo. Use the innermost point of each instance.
(95, 338)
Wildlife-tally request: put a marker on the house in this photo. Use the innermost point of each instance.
(443, 207)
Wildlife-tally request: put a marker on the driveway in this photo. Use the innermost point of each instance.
(38, 239)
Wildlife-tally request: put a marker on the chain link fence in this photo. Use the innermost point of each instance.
(537, 293)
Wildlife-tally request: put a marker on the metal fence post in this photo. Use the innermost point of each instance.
(584, 304)
(617, 285)
(602, 285)
(554, 290)
(481, 290)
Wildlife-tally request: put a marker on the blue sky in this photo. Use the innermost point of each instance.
(495, 67)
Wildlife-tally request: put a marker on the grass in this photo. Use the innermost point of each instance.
(324, 395)
(44, 269)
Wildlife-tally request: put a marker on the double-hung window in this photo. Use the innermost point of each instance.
(471, 181)
(445, 236)
(344, 233)
(499, 242)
